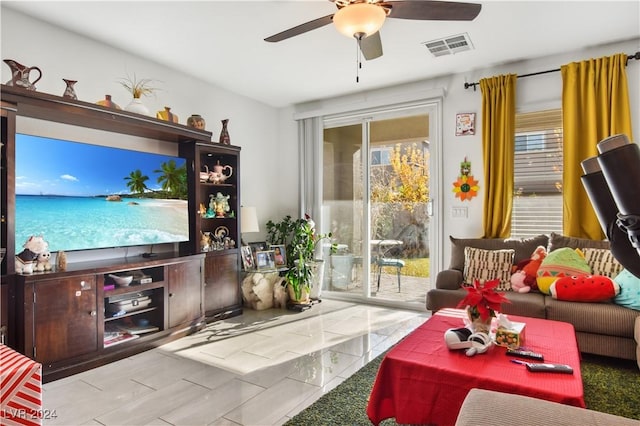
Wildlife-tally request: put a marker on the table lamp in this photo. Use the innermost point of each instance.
(248, 221)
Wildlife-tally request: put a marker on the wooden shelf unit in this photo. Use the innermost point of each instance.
(58, 317)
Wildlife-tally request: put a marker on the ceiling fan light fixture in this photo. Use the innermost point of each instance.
(359, 18)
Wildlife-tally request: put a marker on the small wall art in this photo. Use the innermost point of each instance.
(465, 187)
(466, 124)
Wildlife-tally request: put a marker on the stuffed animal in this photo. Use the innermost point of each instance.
(584, 288)
(26, 259)
(563, 262)
(43, 261)
(524, 279)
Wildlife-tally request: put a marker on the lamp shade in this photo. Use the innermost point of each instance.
(359, 18)
(248, 220)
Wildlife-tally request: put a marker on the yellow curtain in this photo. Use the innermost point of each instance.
(498, 134)
(595, 105)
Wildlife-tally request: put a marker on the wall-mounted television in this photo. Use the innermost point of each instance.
(82, 196)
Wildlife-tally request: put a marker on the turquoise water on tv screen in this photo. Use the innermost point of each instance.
(78, 223)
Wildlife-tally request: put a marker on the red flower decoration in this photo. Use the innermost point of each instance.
(483, 298)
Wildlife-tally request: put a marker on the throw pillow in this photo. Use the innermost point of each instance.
(602, 262)
(557, 241)
(563, 262)
(483, 265)
(585, 288)
(629, 295)
(523, 247)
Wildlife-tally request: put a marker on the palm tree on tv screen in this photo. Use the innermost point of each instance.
(137, 182)
(172, 178)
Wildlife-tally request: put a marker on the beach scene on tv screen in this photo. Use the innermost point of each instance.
(81, 196)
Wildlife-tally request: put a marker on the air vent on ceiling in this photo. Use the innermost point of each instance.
(449, 45)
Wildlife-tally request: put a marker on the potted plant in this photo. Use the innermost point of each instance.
(482, 301)
(301, 242)
(137, 88)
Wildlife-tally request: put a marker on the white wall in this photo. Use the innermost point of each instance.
(268, 136)
(536, 92)
(266, 181)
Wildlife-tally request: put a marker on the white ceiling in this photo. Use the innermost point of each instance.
(221, 42)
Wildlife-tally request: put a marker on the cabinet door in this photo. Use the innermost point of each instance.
(221, 286)
(64, 318)
(185, 292)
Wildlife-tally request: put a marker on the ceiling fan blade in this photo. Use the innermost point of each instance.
(433, 10)
(301, 29)
(371, 46)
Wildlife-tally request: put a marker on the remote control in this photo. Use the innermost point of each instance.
(525, 354)
(549, 368)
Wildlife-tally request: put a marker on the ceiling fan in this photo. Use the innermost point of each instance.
(363, 19)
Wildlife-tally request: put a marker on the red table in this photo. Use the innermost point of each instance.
(421, 381)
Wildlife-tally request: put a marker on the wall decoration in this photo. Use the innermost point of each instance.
(466, 187)
(466, 124)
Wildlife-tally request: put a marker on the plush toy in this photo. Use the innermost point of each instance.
(26, 259)
(524, 278)
(584, 288)
(43, 261)
(563, 262)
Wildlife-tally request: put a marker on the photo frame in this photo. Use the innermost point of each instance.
(247, 258)
(466, 124)
(257, 246)
(265, 260)
(280, 255)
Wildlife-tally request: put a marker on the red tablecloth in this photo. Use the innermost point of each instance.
(421, 381)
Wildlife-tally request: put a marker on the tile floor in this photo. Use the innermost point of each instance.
(261, 368)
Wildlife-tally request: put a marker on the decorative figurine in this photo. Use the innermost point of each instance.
(26, 259)
(61, 260)
(42, 263)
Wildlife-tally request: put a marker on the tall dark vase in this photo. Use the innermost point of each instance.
(224, 134)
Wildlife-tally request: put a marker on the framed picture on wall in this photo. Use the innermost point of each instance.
(466, 124)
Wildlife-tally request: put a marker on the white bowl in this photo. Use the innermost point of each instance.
(122, 281)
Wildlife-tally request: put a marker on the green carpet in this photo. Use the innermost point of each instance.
(610, 385)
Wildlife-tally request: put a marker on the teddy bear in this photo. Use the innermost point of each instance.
(524, 279)
(26, 259)
(43, 261)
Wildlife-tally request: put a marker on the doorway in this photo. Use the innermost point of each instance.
(376, 201)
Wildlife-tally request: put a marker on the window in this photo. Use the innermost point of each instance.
(381, 156)
(537, 201)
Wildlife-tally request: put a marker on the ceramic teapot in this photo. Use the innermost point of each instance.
(20, 75)
(218, 176)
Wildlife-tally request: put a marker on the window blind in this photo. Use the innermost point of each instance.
(537, 201)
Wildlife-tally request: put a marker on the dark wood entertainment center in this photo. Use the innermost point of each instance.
(64, 319)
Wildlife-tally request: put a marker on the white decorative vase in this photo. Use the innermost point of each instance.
(138, 107)
(317, 270)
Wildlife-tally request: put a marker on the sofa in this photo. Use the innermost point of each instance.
(490, 408)
(602, 328)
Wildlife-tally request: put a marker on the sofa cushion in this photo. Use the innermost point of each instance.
(557, 241)
(523, 247)
(602, 262)
(485, 265)
(629, 295)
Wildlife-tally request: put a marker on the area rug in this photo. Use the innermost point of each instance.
(610, 385)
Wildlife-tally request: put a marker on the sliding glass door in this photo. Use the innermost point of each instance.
(376, 200)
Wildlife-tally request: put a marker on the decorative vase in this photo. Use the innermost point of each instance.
(317, 271)
(477, 324)
(167, 115)
(70, 92)
(137, 106)
(107, 102)
(196, 121)
(224, 134)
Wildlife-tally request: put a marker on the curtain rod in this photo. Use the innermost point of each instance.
(635, 56)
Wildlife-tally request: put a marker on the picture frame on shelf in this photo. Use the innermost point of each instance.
(257, 246)
(280, 254)
(248, 262)
(265, 260)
